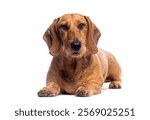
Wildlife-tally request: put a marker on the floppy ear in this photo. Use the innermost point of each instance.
(93, 34)
(52, 39)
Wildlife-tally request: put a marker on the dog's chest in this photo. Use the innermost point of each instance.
(73, 71)
(71, 74)
(71, 79)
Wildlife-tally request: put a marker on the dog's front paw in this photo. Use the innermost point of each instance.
(86, 91)
(49, 91)
(82, 93)
(45, 92)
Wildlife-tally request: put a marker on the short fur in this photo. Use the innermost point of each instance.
(79, 73)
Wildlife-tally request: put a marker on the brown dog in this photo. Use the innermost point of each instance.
(78, 66)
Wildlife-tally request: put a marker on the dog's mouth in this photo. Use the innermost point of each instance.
(75, 52)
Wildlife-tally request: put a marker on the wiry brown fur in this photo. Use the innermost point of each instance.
(83, 73)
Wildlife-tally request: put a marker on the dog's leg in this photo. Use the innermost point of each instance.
(52, 89)
(114, 75)
(115, 83)
(114, 71)
(88, 90)
(114, 78)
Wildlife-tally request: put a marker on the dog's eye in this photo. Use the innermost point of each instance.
(81, 26)
(64, 27)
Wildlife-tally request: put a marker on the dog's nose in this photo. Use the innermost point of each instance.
(76, 45)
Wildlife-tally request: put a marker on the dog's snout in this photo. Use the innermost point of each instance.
(76, 45)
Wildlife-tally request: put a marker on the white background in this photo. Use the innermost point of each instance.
(24, 57)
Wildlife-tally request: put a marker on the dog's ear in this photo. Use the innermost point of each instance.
(93, 35)
(51, 37)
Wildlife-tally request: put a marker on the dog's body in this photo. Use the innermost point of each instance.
(78, 67)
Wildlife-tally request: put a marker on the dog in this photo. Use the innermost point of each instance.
(78, 67)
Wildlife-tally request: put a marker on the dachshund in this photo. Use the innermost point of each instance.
(78, 66)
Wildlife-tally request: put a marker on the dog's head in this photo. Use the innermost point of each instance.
(72, 35)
